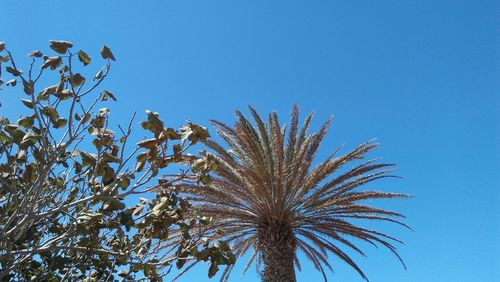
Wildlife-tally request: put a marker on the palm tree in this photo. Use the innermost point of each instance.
(266, 196)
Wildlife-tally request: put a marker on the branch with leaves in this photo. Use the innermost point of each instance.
(67, 180)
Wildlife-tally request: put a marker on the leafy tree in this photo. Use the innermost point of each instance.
(73, 194)
(266, 195)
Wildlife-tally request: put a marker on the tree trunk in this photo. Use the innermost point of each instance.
(278, 250)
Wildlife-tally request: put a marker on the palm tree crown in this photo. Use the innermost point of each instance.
(267, 197)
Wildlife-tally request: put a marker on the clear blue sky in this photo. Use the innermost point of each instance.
(421, 76)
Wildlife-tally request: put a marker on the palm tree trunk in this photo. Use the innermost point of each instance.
(277, 251)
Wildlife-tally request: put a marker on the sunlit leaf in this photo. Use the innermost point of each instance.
(64, 94)
(88, 158)
(27, 103)
(98, 75)
(60, 46)
(106, 94)
(36, 54)
(109, 175)
(13, 71)
(26, 122)
(60, 123)
(103, 111)
(102, 132)
(84, 58)
(148, 143)
(76, 79)
(44, 95)
(51, 113)
(106, 53)
(138, 209)
(52, 62)
(28, 87)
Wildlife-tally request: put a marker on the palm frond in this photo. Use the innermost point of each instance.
(265, 188)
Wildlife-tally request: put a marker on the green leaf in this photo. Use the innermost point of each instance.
(17, 136)
(171, 134)
(84, 58)
(29, 139)
(155, 125)
(21, 156)
(106, 53)
(28, 87)
(213, 269)
(103, 111)
(124, 183)
(11, 127)
(203, 255)
(60, 123)
(51, 113)
(205, 220)
(123, 273)
(138, 209)
(139, 166)
(60, 46)
(177, 151)
(148, 143)
(109, 175)
(88, 159)
(52, 62)
(204, 178)
(102, 132)
(109, 158)
(60, 85)
(13, 71)
(64, 94)
(37, 153)
(4, 59)
(194, 133)
(126, 219)
(85, 118)
(142, 157)
(27, 103)
(76, 79)
(26, 122)
(44, 95)
(98, 75)
(35, 53)
(198, 165)
(29, 173)
(106, 94)
(4, 137)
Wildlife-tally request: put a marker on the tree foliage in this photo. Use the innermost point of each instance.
(75, 193)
